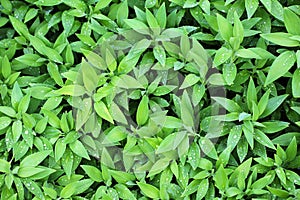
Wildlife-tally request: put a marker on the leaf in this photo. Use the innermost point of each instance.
(93, 172)
(263, 139)
(8, 111)
(75, 188)
(281, 65)
(19, 26)
(34, 159)
(208, 147)
(273, 104)
(117, 134)
(149, 190)
(90, 77)
(33, 60)
(229, 73)
(72, 90)
(102, 111)
(228, 104)
(162, 16)
(222, 55)
(225, 28)
(78, 148)
(4, 122)
(142, 113)
(159, 166)
(291, 150)
(187, 112)
(281, 38)
(189, 80)
(221, 179)
(296, 84)
(291, 21)
(160, 54)
(251, 6)
(60, 148)
(138, 26)
(4, 166)
(6, 67)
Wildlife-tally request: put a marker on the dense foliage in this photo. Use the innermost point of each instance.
(179, 99)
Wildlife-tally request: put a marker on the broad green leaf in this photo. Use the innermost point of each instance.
(251, 6)
(72, 90)
(281, 38)
(291, 21)
(75, 188)
(4, 166)
(8, 111)
(142, 113)
(281, 65)
(263, 139)
(78, 148)
(34, 159)
(138, 26)
(149, 190)
(60, 148)
(208, 147)
(93, 172)
(161, 15)
(6, 67)
(221, 179)
(4, 122)
(222, 55)
(90, 77)
(189, 80)
(228, 104)
(273, 104)
(117, 134)
(225, 28)
(296, 84)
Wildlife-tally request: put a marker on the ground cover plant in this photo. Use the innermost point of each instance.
(109, 99)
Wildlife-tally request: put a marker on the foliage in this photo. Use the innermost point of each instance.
(108, 99)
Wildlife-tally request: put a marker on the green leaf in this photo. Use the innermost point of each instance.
(162, 16)
(189, 80)
(4, 122)
(160, 54)
(263, 139)
(291, 150)
(60, 148)
(20, 27)
(33, 60)
(281, 38)
(90, 77)
(78, 148)
(251, 7)
(71, 90)
(8, 111)
(75, 188)
(34, 159)
(273, 104)
(4, 166)
(93, 172)
(142, 113)
(117, 134)
(138, 26)
(221, 179)
(291, 21)
(6, 67)
(149, 190)
(296, 84)
(225, 28)
(103, 112)
(187, 111)
(208, 147)
(228, 104)
(281, 65)
(222, 55)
